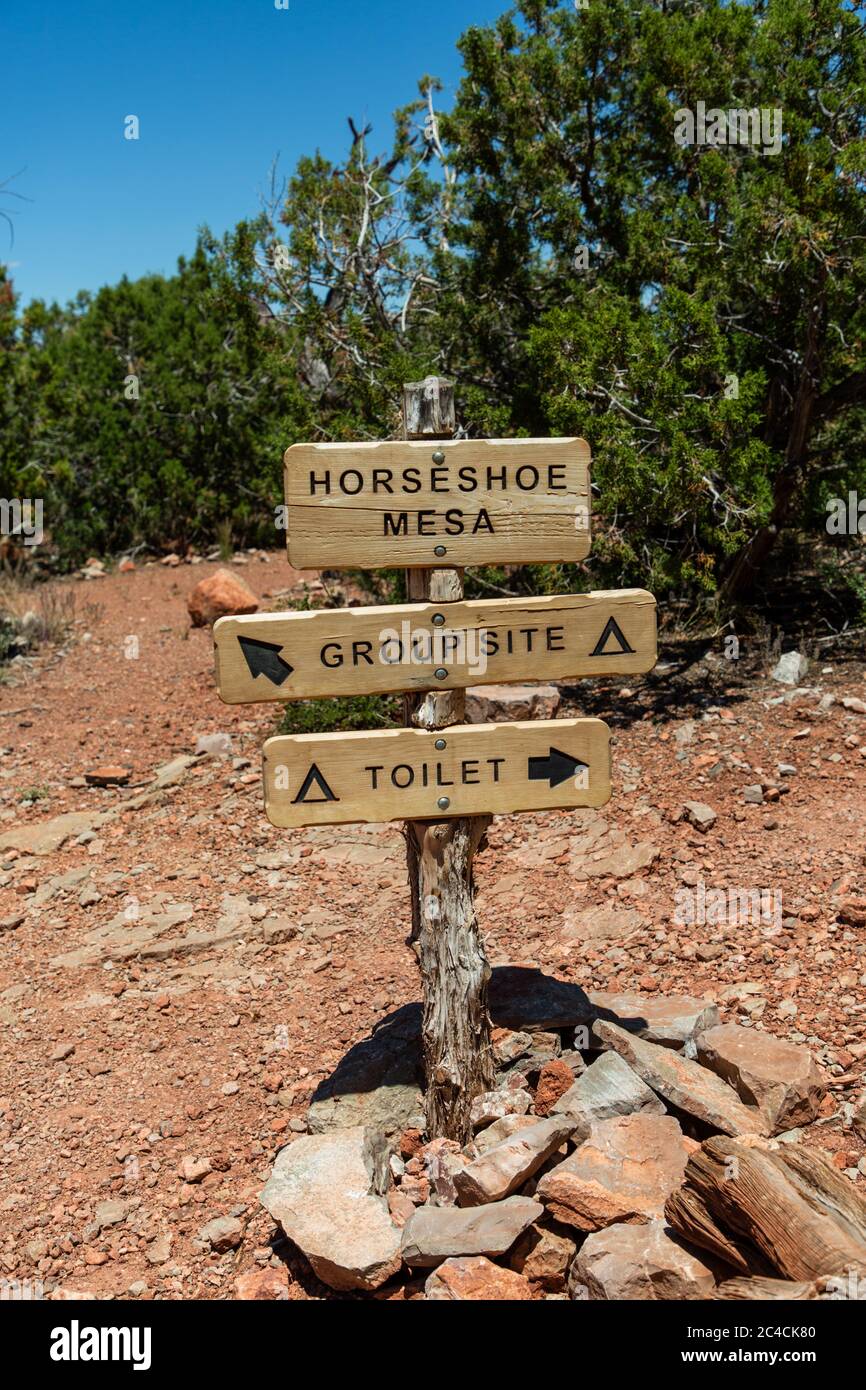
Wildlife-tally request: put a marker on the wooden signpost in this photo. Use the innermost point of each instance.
(422, 646)
(466, 502)
(410, 774)
(431, 503)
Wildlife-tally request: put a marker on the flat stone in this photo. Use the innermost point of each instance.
(434, 1234)
(376, 1083)
(475, 1279)
(639, 1262)
(601, 923)
(326, 1190)
(671, 1020)
(624, 1171)
(778, 1076)
(510, 1164)
(496, 704)
(502, 1129)
(700, 815)
(607, 1088)
(109, 775)
(684, 1084)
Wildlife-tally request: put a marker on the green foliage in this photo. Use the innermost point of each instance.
(341, 714)
(712, 348)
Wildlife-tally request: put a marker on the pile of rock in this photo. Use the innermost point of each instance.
(601, 1105)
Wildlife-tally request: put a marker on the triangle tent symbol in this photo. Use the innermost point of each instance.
(611, 629)
(314, 778)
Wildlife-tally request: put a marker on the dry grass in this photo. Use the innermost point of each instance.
(50, 608)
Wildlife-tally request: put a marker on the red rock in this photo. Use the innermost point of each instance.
(263, 1284)
(219, 595)
(411, 1140)
(110, 775)
(126, 566)
(472, 1278)
(554, 1079)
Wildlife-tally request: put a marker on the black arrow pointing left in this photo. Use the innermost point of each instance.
(263, 659)
(557, 767)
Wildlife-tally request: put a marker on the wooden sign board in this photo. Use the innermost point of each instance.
(423, 646)
(426, 503)
(410, 774)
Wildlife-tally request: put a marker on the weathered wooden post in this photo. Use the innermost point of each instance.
(458, 1058)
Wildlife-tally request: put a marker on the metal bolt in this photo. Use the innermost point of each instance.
(438, 619)
(440, 744)
(438, 457)
(438, 550)
(443, 803)
(440, 673)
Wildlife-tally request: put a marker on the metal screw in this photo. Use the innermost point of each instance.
(438, 457)
(443, 803)
(440, 673)
(438, 619)
(438, 550)
(440, 744)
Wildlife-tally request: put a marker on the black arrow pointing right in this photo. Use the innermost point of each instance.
(263, 659)
(557, 767)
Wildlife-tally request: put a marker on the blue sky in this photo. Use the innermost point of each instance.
(220, 87)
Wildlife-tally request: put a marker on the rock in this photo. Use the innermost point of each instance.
(159, 1251)
(194, 1170)
(790, 669)
(607, 1088)
(496, 704)
(218, 596)
(672, 1020)
(852, 703)
(501, 1170)
(61, 1052)
(325, 1191)
(110, 1213)
(640, 1262)
(109, 775)
(543, 1257)
(700, 815)
(494, 1134)
(376, 1083)
(222, 1234)
(526, 1000)
(263, 1284)
(12, 921)
(434, 1234)
(683, 1083)
(601, 923)
(507, 1045)
(624, 1171)
(555, 1078)
(475, 1279)
(777, 1076)
(494, 1105)
(852, 911)
(217, 745)
(754, 794)
(858, 1119)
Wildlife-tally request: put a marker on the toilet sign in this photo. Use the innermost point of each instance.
(422, 646)
(410, 774)
(424, 503)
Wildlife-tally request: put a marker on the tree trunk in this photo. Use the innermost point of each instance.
(458, 1058)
